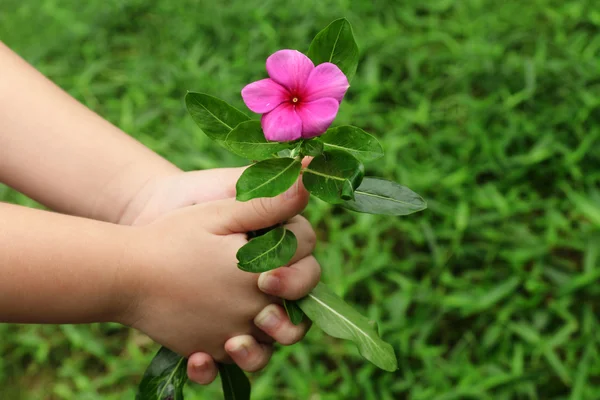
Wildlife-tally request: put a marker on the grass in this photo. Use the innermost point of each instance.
(489, 109)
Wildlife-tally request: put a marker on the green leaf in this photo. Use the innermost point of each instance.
(164, 378)
(312, 148)
(336, 44)
(235, 383)
(267, 178)
(272, 250)
(338, 319)
(293, 311)
(380, 196)
(333, 176)
(354, 140)
(215, 117)
(248, 140)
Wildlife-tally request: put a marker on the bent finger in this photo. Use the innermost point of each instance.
(293, 282)
(247, 353)
(201, 368)
(274, 321)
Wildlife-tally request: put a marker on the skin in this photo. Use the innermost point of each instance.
(134, 235)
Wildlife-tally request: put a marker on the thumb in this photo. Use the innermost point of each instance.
(242, 217)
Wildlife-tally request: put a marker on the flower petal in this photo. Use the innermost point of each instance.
(282, 124)
(326, 80)
(317, 116)
(289, 68)
(264, 95)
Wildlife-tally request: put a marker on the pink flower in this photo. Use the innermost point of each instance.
(299, 100)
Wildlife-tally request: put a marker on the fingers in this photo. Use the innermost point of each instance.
(232, 216)
(274, 321)
(201, 368)
(293, 282)
(247, 353)
(306, 236)
(221, 182)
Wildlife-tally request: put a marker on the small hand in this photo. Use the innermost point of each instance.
(166, 194)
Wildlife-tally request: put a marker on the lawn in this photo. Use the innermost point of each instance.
(488, 109)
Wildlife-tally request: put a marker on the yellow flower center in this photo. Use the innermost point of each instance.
(295, 100)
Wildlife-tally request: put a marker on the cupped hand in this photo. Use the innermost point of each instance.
(165, 194)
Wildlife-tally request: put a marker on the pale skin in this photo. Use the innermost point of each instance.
(137, 240)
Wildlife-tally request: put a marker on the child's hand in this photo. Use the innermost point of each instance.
(296, 282)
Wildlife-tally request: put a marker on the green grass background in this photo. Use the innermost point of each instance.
(489, 109)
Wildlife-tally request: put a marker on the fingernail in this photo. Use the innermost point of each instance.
(268, 283)
(291, 192)
(240, 349)
(266, 319)
(200, 366)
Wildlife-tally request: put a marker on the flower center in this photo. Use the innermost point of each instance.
(295, 99)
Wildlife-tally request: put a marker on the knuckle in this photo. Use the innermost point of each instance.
(262, 207)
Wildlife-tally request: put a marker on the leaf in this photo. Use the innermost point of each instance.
(312, 148)
(293, 311)
(164, 378)
(269, 251)
(248, 140)
(380, 196)
(215, 117)
(336, 44)
(339, 320)
(235, 383)
(355, 141)
(267, 178)
(333, 176)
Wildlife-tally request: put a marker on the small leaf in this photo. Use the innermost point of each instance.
(355, 141)
(269, 251)
(267, 178)
(164, 378)
(333, 176)
(380, 196)
(235, 383)
(338, 319)
(336, 44)
(312, 148)
(248, 140)
(215, 117)
(293, 311)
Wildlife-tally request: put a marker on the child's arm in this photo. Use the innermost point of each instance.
(60, 153)
(175, 279)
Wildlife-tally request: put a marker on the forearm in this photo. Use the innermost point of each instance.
(62, 269)
(60, 153)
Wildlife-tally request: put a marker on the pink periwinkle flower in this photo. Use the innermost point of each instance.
(299, 100)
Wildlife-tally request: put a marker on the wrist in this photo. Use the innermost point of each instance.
(123, 193)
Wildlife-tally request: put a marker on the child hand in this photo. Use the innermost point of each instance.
(194, 298)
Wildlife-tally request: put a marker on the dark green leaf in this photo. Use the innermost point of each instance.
(333, 175)
(338, 319)
(248, 140)
(267, 178)
(312, 148)
(235, 383)
(354, 140)
(293, 311)
(215, 117)
(269, 251)
(380, 196)
(336, 44)
(165, 377)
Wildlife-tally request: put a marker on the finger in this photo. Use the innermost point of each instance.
(201, 368)
(247, 353)
(274, 321)
(232, 216)
(307, 239)
(221, 182)
(293, 282)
